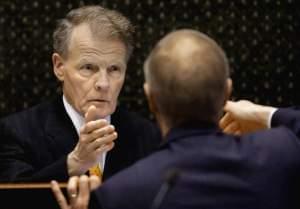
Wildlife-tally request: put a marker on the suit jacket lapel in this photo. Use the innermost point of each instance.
(113, 155)
(121, 156)
(59, 129)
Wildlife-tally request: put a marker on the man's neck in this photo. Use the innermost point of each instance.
(163, 125)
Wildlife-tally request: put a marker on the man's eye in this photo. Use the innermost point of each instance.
(113, 68)
(87, 67)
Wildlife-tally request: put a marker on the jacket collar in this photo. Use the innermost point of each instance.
(189, 129)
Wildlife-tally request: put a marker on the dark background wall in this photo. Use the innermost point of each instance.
(261, 38)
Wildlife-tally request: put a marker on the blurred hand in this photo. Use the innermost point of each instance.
(78, 191)
(244, 117)
(96, 136)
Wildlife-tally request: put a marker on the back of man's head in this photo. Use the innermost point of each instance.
(187, 73)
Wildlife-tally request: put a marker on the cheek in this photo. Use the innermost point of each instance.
(117, 88)
(81, 96)
(78, 88)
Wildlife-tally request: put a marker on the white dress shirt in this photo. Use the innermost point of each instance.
(78, 121)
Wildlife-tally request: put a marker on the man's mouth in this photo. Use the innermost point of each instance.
(98, 101)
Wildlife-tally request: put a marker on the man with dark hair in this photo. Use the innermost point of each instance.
(82, 130)
(187, 85)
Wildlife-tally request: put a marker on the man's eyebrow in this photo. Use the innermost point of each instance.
(85, 60)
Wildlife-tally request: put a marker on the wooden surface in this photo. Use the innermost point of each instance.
(29, 185)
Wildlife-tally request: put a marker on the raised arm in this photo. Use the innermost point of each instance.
(245, 117)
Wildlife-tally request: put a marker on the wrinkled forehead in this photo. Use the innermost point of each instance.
(82, 38)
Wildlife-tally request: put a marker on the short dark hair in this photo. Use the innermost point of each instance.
(187, 72)
(102, 22)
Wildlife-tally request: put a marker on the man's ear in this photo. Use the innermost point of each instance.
(58, 66)
(228, 89)
(150, 98)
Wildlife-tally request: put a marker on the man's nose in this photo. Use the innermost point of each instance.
(102, 81)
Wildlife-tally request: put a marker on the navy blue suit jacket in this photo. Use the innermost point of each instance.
(218, 171)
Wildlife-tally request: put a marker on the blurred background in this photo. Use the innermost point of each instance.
(260, 37)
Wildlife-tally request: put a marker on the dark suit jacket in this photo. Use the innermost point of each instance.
(34, 143)
(218, 171)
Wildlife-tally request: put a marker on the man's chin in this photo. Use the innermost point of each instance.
(102, 110)
(102, 113)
